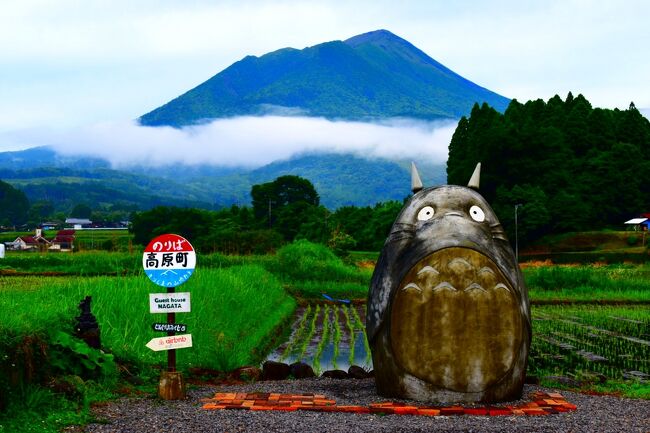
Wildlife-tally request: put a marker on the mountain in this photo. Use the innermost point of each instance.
(66, 181)
(44, 156)
(369, 76)
(339, 179)
(373, 76)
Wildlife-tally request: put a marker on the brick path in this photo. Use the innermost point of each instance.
(541, 404)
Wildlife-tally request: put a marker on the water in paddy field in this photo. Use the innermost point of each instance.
(327, 337)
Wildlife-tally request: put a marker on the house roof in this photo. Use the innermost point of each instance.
(82, 221)
(28, 240)
(65, 233)
(636, 221)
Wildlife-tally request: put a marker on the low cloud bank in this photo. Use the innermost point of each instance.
(255, 141)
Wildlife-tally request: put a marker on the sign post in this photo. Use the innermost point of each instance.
(169, 261)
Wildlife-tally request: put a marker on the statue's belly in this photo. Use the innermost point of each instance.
(455, 321)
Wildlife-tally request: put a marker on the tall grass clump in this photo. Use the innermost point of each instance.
(235, 314)
(309, 269)
(303, 260)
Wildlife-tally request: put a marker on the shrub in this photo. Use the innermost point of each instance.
(303, 260)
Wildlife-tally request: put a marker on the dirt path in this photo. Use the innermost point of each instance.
(593, 414)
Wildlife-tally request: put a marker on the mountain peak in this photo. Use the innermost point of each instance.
(374, 37)
(373, 75)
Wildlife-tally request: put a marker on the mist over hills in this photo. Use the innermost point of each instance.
(340, 180)
(370, 76)
(347, 115)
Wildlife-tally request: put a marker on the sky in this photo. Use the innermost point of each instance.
(76, 73)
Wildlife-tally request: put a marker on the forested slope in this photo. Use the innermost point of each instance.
(572, 166)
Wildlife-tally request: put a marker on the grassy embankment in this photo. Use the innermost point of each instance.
(235, 313)
(622, 283)
(604, 246)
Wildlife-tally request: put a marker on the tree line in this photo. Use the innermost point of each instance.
(283, 210)
(564, 165)
(570, 166)
(18, 213)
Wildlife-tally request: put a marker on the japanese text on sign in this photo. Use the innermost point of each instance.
(169, 245)
(166, 260)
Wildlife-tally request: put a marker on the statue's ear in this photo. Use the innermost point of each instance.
(416, 183)
(475, 180)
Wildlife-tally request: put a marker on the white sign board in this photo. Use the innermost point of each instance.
(172, 342)
(169, 302)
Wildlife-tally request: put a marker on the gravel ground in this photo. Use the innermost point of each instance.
(594, 414)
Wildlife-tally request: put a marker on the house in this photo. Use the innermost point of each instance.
(640, 223)
(78, 223)
(24, 243)
(63, 241)
(29, 243)
(48, 225)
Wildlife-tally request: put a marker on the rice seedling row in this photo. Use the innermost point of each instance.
(335, 339)
(324, 338)
(350, 332)
(336, 334)
(300, 327)
(582, 341)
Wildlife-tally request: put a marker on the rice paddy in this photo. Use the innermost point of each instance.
(328, 337)
(243, 307)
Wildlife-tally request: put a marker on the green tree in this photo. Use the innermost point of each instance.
(40, 211)
(271, 197)
(193, 224)
(81, 210)
(285, 204)
(532, 217)
(589, 163)
(315, 225)
(376, 230)
(14, 205)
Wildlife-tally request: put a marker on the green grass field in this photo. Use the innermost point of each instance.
(236, 312)
(622, 283)
(241, 304)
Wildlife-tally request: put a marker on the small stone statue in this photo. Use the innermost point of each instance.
(448, 316)
(87, 327)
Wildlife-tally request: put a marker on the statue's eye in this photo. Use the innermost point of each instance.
(426, 213)
(477, 214)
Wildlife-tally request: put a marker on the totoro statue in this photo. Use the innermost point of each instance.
(448, 316)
